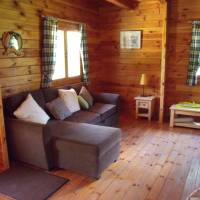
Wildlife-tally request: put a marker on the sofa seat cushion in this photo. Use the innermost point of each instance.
(84, 117)
(105, 110)
(98, 139)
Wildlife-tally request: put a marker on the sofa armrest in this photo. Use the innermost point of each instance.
(23, 123)
(27, 142)
(109, 98)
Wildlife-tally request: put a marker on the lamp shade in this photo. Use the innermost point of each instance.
(143, 79)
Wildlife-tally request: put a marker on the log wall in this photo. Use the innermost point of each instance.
(181, 15)
(121, 68)
(24, 73)
(111, 68)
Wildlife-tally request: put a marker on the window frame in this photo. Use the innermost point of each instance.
(68, 80)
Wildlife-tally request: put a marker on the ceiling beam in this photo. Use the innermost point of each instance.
(122, 3)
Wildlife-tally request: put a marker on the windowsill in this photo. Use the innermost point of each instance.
(66, 81)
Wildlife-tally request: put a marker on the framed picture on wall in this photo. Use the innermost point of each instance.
(130, 39)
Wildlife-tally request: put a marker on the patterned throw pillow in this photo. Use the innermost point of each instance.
(87, 96)
(83, 103)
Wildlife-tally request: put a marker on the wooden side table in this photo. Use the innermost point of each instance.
(145, 106)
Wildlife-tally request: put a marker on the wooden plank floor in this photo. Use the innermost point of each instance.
(156, 163)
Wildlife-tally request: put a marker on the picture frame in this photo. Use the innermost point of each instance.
(130, 39)
(12, 43)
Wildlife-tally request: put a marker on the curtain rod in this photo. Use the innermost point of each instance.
(66, 20)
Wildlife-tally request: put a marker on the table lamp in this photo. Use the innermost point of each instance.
(143, 82)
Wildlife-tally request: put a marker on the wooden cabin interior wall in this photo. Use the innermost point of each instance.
(181, 15)
(24, 73)
(121, 68)
(111, 68)
(1, 157)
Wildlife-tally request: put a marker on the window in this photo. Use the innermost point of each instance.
(68, 62)
(73, 53)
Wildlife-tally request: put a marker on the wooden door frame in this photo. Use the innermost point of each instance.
(164, 11)
(3, 142)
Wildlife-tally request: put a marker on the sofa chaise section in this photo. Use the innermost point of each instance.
(85, 148)
(81, 147)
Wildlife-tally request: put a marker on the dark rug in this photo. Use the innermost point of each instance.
(24, 183)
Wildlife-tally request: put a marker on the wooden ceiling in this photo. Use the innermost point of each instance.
(125, 4)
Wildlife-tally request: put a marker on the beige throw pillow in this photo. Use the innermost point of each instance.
(30, 111)
(70, 98)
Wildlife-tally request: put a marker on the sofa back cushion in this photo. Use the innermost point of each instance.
(41, 96)
(13, 102)
(77, 87)
(50, 94)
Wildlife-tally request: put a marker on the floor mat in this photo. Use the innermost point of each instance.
(24, 183)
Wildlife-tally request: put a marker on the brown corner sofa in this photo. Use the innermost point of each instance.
(86, 142)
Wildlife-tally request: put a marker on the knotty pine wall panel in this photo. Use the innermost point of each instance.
(181, 15)
(1, 158)
(121, 69)
(22, 73)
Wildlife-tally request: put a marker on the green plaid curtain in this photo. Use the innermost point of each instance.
(84, 53)
(194, 62)
(50, 26)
